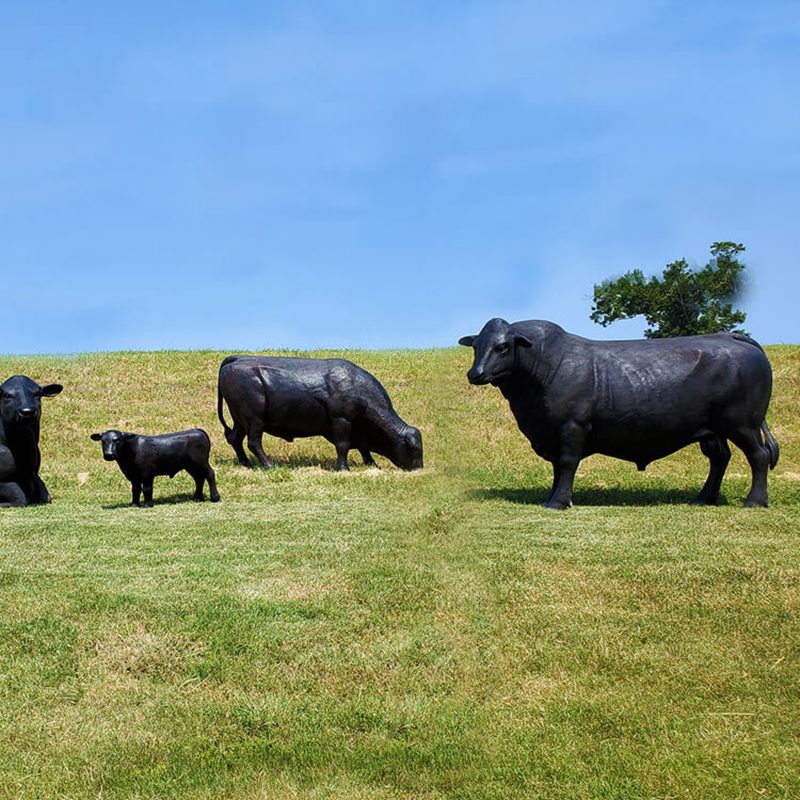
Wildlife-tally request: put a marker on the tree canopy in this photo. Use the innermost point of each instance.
(683, 301)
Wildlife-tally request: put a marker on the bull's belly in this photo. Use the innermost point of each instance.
(641, 447)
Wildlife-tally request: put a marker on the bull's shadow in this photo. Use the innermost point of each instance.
(595, 496)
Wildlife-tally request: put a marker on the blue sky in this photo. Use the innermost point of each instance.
(362, 174)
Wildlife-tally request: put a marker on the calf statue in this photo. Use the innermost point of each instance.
(633, 400)
(20, 414)
(296, 397)
(142, 458)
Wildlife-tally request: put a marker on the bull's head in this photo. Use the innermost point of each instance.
(21, 401)
(494, 349)
(112, 441)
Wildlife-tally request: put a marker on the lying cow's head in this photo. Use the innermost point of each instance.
(494, 349)
(21, 401)
(408, 449)
(112, 440)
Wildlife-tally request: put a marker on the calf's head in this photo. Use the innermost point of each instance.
(495, 348)
(112, 442)
(21, 401)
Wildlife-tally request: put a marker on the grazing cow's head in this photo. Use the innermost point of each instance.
(111, 442)
(408, 449)
(21, 401)
(494, 351)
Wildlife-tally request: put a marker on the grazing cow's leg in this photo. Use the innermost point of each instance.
(716, 449)
(235, 439)
(750, 442)
(369, 461)
(136, 492)
(340, 434)
(254, 443)
(147, 485)
(571, 445)
(11, 494)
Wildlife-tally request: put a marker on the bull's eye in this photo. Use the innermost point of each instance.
(502, 348)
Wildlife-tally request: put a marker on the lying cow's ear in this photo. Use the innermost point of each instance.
(467, 341)
(95, 437)
(128, 435)
(51, 389)
(522, 341)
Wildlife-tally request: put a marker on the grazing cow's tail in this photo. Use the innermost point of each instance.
(772, 445)
(220, 414)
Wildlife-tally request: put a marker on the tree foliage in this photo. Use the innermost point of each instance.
(682, 302)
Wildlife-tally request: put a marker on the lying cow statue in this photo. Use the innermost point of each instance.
(296, 397)
(20, 458)
(142, 458)
(634, 400)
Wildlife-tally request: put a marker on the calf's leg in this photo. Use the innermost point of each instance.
(716, 449)
(212, 484)
(136, 493)
(147, 485)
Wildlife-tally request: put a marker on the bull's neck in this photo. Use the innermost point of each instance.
(534, 367)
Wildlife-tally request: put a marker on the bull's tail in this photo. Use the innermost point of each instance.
(771, 443)
(228, 431)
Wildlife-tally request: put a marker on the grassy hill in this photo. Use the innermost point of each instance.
(381, 634)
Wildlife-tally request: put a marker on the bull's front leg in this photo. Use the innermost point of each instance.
(341, 430)
(136, 492)
(571, 441)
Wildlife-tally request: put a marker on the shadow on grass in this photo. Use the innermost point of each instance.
(328, 463)
(594, 496)
(169, 500)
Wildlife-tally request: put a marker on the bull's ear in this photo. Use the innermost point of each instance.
(51, 389)
(95, 437)
(467, 341)
(522, 341)
(129, 435)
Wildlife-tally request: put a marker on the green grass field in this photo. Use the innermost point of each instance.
(382, 634)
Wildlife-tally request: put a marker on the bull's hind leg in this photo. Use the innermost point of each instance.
(750, 442)
(716, 449)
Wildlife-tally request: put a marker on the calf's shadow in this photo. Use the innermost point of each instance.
(167, 500)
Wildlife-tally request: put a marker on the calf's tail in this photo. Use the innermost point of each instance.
(772, 445)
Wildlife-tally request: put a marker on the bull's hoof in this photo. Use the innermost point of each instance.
(556, 505)
(756, 503)
(215, 498)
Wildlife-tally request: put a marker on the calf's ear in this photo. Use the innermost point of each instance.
(51, 389)
(522, 341)
(95, 437)
(466, 341)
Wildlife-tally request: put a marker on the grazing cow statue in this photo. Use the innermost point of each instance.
(142, 458)
(20, 414)
(634, 400)
(296, 397)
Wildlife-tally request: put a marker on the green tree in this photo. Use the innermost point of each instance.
(682, 302)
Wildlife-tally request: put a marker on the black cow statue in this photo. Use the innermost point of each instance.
(634, 400)
(296, 397)
(142, 458)
(20, 414)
